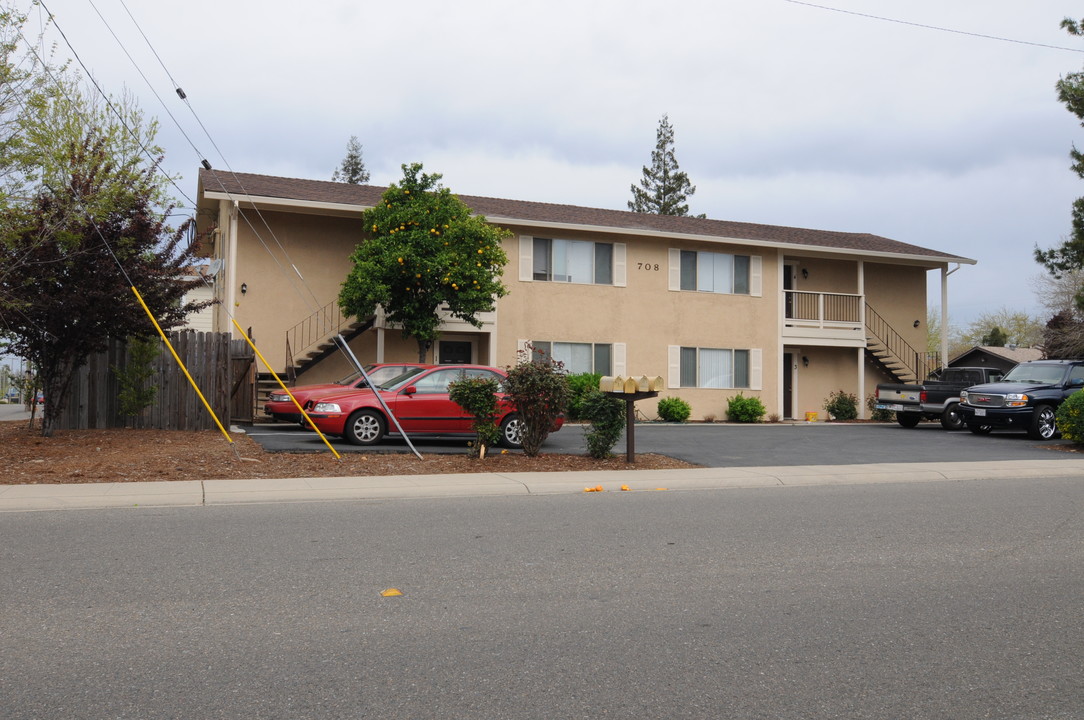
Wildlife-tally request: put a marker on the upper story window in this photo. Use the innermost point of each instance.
(571, 261)
(574, 261)
(714, 272)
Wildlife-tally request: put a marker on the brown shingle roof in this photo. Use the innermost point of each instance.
(508, 211)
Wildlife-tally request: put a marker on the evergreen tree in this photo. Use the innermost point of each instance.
(352, 170)
(995, 338)
(1069, 255)
(664, 189)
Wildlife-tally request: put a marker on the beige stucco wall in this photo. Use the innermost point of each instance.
(644, 315)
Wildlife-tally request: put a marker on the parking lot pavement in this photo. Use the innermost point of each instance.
(732, 445)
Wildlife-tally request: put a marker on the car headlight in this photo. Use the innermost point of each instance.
(1016, 400)
(279, 397)
(963, 396)
(326, 407)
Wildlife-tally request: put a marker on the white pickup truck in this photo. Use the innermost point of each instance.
(936, 399)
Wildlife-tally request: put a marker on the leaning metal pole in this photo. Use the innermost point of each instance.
(341, 342)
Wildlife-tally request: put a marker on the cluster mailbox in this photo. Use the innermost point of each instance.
(625, 386)
(630, 389)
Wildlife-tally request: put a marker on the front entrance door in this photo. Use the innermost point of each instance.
(454, 352)
(788, 386)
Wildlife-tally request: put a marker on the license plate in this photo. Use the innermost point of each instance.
(980, 412)
(890, 406)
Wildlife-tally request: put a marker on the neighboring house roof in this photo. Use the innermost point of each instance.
(1015, 355)
(316, 194)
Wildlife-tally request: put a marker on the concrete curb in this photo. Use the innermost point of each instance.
(20, 498)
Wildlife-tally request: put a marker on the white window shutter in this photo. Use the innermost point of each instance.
(756, 276)
(675, 270)
(620, 265)
(756, 369)
(521, 347)
(526, 258)
(673, 353)
(619, 359)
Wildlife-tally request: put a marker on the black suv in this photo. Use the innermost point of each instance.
(1027, 398)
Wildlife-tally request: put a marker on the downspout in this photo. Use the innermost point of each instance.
(231, 257)
(862, 351)
(945, 272)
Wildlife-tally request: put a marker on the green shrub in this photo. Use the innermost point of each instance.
(745, 410)
(841, 405)
(580, 385)
(538, 387)
(1070, 418)
(672, 409)
(607, 416)
(136, 394)
(478, 397)
(875, 414)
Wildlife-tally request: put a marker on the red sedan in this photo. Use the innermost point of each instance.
(280, 407)
(419, 400)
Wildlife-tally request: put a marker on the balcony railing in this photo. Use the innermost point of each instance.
(825, 311)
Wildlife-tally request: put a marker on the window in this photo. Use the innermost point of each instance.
(436, 382)
(578, 357)
(714, 368)
(715, 272)
(573, 261)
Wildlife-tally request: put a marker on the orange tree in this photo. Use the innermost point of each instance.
(425, 251)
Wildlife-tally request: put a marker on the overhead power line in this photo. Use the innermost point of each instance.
(934, 27)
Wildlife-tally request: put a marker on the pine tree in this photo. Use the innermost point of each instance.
(664, 189)
(1069, 255)
(352, 170)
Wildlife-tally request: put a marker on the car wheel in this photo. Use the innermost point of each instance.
(1043, 423)
(951, 419)
(365, 427)
(980, 429)
(512, 432)
(908, 420)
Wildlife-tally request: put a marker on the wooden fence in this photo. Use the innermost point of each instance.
(222, 368)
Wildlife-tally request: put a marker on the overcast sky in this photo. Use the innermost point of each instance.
(784, 113)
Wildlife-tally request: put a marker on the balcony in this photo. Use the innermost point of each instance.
(829, 319)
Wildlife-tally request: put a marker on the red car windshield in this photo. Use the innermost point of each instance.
(377, 375)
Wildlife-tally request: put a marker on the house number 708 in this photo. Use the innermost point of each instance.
(647, 266)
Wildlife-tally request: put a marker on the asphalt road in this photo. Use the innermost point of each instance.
(935, 600)
(725, 445)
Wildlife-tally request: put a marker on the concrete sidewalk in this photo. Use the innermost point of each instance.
(17, 498)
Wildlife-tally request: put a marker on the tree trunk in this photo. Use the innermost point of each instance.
(423, 350)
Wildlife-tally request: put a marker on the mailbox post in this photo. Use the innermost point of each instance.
(630, 390)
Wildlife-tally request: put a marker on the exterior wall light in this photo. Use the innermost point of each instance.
(244, 289)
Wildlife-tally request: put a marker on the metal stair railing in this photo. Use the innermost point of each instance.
(918, 364)
(314, 330)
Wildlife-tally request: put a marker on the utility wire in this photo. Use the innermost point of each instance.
(315, 305)
(933, 27)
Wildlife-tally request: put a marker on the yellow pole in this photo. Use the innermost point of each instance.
(283, 386)
(181, 365)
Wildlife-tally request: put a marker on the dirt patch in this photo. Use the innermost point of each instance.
(91, 456)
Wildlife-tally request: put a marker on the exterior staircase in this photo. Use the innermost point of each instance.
(887, 350)
(307, 343)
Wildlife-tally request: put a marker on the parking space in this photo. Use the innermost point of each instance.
(725, 445)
